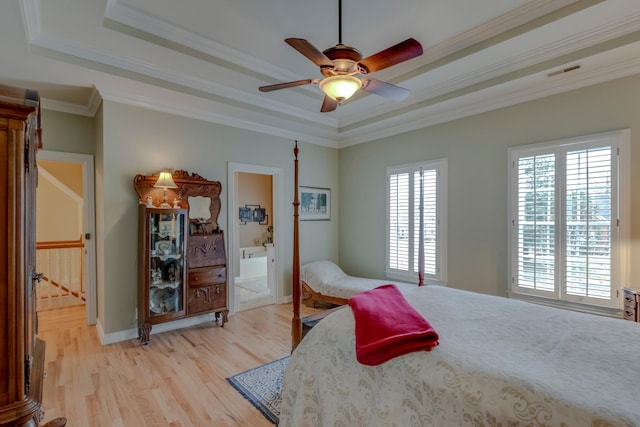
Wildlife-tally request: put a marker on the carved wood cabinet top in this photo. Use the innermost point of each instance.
(189, 186)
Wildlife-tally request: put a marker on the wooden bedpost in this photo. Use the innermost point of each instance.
(296, 325)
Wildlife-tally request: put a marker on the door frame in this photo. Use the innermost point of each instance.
(89, 215)
(277, 181)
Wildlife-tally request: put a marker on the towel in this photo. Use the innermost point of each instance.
(386, 326)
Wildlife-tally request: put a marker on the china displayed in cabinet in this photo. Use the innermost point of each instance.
(162, 274)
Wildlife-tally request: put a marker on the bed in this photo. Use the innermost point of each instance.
(499, 362)
(325, 282)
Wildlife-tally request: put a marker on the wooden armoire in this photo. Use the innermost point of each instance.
(21, 351)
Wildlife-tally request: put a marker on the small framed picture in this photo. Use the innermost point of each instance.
(315, 203)
(246, 215)
(259, 215)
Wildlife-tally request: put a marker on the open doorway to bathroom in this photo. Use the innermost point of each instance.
(253, 246)
(255, 239)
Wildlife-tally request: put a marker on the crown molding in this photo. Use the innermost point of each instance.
(77, 49)
(494, 27)
(466, 106)
(89, 110)
(586, 39)
(296, 123)
(30, 18)
(133, 18)
(209, 115)
(137, 66)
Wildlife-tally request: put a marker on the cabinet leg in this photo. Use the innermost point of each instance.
(225, 317)
(144, 331)
(57, 422)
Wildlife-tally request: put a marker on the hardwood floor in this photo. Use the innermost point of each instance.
(178, 380)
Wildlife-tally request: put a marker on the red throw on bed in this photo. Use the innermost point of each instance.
(387, 326)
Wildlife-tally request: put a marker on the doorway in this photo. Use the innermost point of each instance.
(255, 276)
(65, 230)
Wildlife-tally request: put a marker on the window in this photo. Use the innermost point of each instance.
(568, 221)
(403, 221)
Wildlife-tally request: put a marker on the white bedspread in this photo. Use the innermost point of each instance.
(500, 362)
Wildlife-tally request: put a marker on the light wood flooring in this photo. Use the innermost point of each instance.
(178, 380)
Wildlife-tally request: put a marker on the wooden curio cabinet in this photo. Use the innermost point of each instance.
(21, 351)
(161, 287)
(202, 258)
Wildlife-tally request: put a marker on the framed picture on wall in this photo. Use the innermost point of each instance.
(260, 215)
(246, 215)
(315, 203)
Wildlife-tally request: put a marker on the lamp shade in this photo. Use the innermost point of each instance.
(340, 87)
(165, 180)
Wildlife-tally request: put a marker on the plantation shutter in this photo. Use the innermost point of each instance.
(568, 201)
(588, 223)
(399, 221)
(429, 220)
(536, 223)
(404, 220)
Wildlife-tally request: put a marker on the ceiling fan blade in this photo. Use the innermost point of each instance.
(329, 104)
(385, 89)
(403, 51)
(308, 50)
(286, 85)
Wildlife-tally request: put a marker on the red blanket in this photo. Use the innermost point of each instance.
(387, 326)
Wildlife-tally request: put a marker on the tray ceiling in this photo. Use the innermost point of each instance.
(206, 59)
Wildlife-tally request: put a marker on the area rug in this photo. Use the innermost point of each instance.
(261, 386)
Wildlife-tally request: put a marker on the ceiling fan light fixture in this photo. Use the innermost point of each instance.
(340, 87)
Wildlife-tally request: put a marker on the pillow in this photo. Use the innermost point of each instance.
(316, 273)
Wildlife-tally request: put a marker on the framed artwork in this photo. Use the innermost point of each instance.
(315, 203)
(260, 215)
(246, 215)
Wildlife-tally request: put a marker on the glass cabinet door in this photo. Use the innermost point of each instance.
(162, 267)
(165, 285)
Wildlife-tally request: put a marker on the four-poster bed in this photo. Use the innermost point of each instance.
(499, 362)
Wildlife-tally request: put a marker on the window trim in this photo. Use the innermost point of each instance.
(441, 167)
(620, 140)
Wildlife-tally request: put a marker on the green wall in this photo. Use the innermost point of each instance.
(128, 140)
(137, 140)
(68, 132)
(476, 149)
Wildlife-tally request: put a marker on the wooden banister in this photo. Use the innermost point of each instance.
(60, 244)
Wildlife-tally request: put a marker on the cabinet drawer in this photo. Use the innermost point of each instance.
(207, 276)
(206, 250)
(630, 314)
(207, 298)
(629, 297)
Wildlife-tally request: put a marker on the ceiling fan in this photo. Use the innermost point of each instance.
(340, 65)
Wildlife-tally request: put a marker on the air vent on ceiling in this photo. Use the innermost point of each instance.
(564, 70)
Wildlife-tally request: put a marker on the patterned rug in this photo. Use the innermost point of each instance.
(261, 386)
